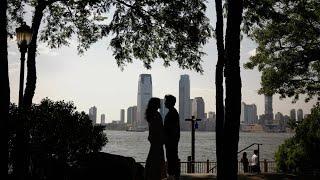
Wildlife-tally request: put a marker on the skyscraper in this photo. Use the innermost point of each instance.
(300, 115)
(163, 109)
(211, 114)
(131, 115)
(268, 110)
(278, 117)
(144, 95)
(122, 111)
(198, 108)
(184, 101)
(293, 115)
(93, 114)
(249, 113)
(103, 119)
(198, 111)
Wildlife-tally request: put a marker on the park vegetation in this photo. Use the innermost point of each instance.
(300, 153)
(288, 36)
(59, 136)
(288, 54)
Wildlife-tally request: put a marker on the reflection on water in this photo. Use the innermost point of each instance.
(135, 144)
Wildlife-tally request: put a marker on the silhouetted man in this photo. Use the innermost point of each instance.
(172, 136)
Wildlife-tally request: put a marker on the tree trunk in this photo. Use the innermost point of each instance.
(219, 89)
(31, 61)
(22, 160)
(233, 88)
(4, 90)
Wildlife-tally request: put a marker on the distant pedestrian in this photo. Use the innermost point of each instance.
(172, 137)
(255, 162)
(245, 162)
(155, 164)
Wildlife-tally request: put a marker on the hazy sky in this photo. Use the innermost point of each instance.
(95, 79)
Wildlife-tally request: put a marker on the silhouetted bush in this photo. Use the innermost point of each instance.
(57, 136)
(300, 154)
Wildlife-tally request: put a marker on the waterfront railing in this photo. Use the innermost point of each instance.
(208, 167)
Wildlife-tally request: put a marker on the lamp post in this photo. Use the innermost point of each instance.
(24, 35)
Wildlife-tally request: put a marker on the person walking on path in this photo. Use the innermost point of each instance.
(172, 137)
(155, 164)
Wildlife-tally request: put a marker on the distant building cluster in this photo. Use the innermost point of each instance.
(267, 122)
(250, 121)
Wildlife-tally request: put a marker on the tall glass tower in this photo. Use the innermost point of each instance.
(184, 101)
(144, 95)
(93, 114)
(268, 110)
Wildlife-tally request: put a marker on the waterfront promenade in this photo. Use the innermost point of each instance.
(262, 176)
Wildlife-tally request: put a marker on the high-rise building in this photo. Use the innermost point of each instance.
(268, 110)
(211, 115)
(93, 114)
(163, 109)
(293, 115)
(198, 108)
(144, 95)
(134, 116)
(300, 115)
(278, 117)
(122, 111)
(249, 113)
(184, 101)
(198, 111)
(131, 115)
(103, 119)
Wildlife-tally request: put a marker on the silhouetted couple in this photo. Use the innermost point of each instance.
(160, 134)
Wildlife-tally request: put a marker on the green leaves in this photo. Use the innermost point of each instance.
(170, 30)
(144, 30)
(288, 37)
(300, 153)
(57, 129)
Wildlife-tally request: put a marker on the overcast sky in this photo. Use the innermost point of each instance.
(95, 79)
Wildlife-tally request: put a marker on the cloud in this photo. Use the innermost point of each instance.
(253, 52)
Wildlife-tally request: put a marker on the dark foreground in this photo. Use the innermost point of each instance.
(263, 176)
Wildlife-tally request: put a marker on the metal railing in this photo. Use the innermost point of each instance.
(208, 166)
(212, 169)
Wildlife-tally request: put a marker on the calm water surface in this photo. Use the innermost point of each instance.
(136, 145)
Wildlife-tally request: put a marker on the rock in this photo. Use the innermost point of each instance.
(107, 166)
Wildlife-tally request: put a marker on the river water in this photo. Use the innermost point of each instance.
(136, 145)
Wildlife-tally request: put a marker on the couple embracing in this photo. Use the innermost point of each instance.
(160, 134)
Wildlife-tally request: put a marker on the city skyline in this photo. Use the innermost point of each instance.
(249, 116)
(95, 79)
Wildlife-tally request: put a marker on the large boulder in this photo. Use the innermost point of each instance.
(107, 166)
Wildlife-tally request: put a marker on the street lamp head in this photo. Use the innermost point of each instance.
(24, 35)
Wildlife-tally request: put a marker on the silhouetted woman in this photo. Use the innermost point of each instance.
(155, 169)
(245, 162)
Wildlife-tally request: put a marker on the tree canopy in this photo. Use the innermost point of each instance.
(174, 31)
(300, 153)
(56, 131)
(288, 52)
(145, 30)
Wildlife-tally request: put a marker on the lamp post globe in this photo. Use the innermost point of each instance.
(24, 36)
